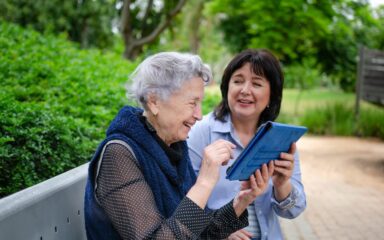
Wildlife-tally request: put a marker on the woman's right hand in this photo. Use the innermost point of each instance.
(254, 187)
(215, 155)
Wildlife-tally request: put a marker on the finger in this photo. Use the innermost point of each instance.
(225, 162)
(243, 235)
(230, 147)
(271, 167)
(225, 142)
(283, 171)
(246, 233)
(284, 164)
(252, 181)
(292, 150)
(245, 185)
(287, 157)
(234, 237)
(259, 179)
(264, 172)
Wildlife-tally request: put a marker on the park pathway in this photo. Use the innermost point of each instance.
(344, 182)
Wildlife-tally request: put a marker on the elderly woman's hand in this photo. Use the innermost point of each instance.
(254, 187)
(215, 155)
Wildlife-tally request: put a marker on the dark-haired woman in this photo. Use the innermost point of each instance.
(251, 90)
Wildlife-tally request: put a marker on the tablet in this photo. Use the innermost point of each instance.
(271, 139)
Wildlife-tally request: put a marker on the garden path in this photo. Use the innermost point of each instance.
(344, 182)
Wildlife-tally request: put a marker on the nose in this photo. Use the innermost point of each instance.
(245, 89)
(197, 113)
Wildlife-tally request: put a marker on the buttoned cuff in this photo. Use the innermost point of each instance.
(287, 203)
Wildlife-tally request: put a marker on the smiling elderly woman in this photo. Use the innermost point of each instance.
(141, 184)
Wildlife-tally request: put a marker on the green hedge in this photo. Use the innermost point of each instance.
(339, 119)
(55, 105)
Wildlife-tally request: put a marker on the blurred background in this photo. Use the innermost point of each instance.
(64, 66)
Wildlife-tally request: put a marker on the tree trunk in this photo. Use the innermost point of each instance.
(194, 24)
(134, 46)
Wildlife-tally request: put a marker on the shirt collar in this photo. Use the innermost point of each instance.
(226, 127)
(223, 127)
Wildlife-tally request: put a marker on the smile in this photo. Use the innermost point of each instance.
(245, 101)
(189, 125)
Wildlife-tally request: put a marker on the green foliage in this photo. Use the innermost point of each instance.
(370, 123)
(299, 31)
(36, 144)
(339, 119)
(184, 31)
(333, 119)
(56, 104)
(211, 100)
(378, 32)
(304, 76)
(87, 22)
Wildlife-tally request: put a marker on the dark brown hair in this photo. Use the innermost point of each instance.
(263, 63)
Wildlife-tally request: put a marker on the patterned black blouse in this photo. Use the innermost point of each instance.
(129, 202)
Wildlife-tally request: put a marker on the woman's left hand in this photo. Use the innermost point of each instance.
(284, 167)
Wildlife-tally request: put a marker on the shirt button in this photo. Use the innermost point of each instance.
(259, 212)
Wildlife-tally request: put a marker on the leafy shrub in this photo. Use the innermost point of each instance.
(370, 123)
(211, 100)
(339, 119)
(56, 104)
(36, 144)
(305, 76)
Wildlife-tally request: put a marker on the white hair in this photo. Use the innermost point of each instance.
(164, 73)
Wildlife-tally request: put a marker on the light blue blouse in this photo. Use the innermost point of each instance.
(267, 208)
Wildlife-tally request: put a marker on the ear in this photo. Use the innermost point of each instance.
(153, 104)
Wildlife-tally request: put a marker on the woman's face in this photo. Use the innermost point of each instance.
(180, 111)
(248, 94)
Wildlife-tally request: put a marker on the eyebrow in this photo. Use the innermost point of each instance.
(196, 98)
(255, 77)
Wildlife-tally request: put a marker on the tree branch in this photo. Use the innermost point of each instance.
(163, 25)
(126, 21)
(146, 14)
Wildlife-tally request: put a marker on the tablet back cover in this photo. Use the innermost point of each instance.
(270, 140)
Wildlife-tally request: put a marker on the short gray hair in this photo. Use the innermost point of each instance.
(164, 73)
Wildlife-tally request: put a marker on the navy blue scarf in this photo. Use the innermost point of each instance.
(168, 183)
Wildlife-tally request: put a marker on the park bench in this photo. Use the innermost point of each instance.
(50, 210)
(370, 77)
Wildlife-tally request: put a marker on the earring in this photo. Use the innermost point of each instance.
(268, 106)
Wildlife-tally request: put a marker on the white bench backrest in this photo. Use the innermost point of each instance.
(52, 209)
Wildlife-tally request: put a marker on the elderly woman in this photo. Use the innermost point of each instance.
(141, 184)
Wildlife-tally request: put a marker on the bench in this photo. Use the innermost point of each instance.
(52, 209)
(370, 78)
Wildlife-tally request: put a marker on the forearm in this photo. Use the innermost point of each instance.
(239, 206)
(200, 192)
(283, 191)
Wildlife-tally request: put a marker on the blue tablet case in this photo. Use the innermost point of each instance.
(271, 139)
